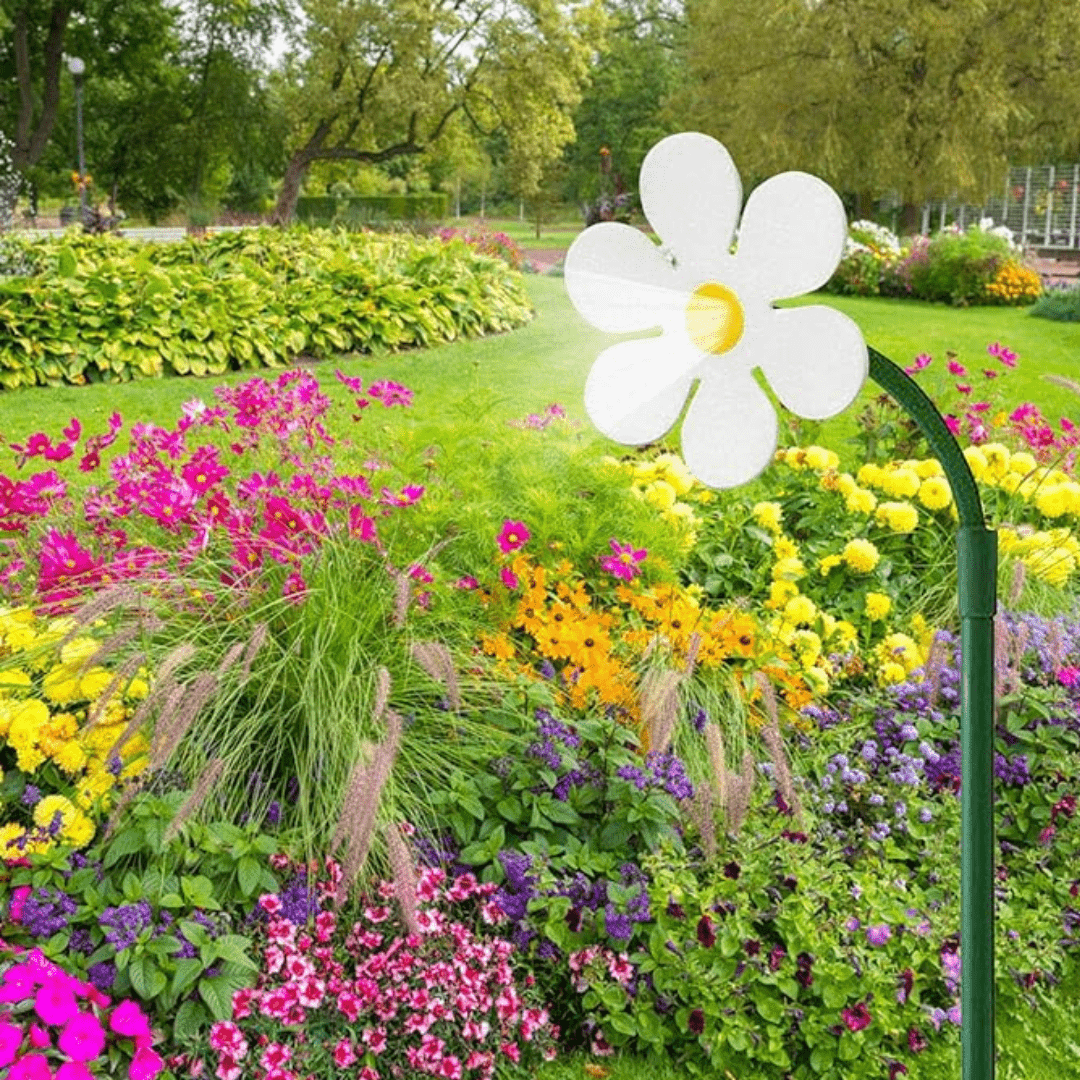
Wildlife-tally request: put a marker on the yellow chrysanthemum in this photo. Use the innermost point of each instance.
(846, 484)
(61, 686)
(807, 645)
(10, 834)
(878, 605)
(927, 467)
(800, 609)
(861, 555)
(71, 758)
(819, 459)
(1010, 483)
(891, 672)
(785, 548)
(788, 570)
(903, 650)
(781, 591)
(900, 517)
(77, 651)
(861, 501)
(901, 483)
(845, 633)
(137, 689)
(828, 564)
(1022, 463)
(935, 493)
(1055, 501)
(869, 475)
(48, 807)
(672, 470)
(976, 460)
(660, 494)
(92, 685)
(80, 832)
(14, 679)
(997, 459)
(769, 515)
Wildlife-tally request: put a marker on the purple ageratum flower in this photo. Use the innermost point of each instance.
(31, 795)
(699, 720)
(879, 934)
(926, 815)
(618, 926)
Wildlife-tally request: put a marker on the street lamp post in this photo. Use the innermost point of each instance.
(77, 67)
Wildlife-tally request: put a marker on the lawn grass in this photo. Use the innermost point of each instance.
(506, 376)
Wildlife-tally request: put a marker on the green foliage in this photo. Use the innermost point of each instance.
(1060, 305)
(956, 269)
(117, 310)
(329, 209)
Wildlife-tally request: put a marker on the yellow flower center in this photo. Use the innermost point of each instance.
(714, 318)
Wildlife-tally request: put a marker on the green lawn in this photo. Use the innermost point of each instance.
(509, 375)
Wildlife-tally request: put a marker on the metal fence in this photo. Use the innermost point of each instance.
(1039, 203)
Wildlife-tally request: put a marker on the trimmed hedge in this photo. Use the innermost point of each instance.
(326, 209)
(105, 309)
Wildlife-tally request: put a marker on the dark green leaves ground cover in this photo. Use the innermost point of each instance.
(109, 310)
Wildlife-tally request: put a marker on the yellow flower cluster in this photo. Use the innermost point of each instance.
(1014, 284)
(664, 482)
(1051, 555)
(597, 646)
(48, 690)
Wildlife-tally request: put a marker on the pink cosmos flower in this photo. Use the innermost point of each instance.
(956, 368)
(923, 360)
(514, 535)
(952, 424)
(624, 562)
(979, 406)
(963, 388)
(1006, 356)
(990, 373)
(390, 393)
(508, 578)
(355, 385)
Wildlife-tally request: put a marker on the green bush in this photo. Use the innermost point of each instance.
(329, 209)
(105, 309)
(1061, 305)
(958, 268)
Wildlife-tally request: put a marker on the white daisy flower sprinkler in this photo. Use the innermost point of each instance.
(711, 291)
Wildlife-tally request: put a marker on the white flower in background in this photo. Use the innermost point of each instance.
(884, 239)
(715, 309)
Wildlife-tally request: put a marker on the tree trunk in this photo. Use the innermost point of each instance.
(30, 142)
(910, 219)
(295, 172)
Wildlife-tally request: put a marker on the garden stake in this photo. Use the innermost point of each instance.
(977, 584)
(715, 303)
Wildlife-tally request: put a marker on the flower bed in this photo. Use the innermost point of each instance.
(309, 770)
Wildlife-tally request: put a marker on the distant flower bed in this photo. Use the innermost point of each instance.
(979, 266)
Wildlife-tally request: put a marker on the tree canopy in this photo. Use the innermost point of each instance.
(925, 98)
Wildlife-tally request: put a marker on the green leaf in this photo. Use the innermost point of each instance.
(822, 1058)
(190, 1019)
(124, 843)
(232, 947)
(250, 872)
(187, 971)
(217, 993)
(66, 264)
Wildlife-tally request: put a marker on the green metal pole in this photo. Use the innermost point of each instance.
(977, 574)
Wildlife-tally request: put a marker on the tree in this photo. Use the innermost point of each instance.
(375, 80)
(626, 105)
(923, 98)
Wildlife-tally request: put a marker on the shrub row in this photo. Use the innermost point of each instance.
(979, 266)
(104, 309)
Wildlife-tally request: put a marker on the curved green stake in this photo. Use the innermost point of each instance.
(977, 578)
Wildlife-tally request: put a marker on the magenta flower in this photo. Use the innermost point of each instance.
(74, 1070)
(355, 385)
(956, 368)
(964, 388)
(857, 1018)
(624, 562)
(923, 360)
(952, 424)
(696, 1021)
(514, 535)
(31, 1067)
(145, 1065)
(55, 1003)
(508, 577)
(1006, 356)
(10, 1040)
(82, 1038)
(390, 393)
(128, 1019)
(990, 373)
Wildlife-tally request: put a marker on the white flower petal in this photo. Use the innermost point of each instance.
(792, 235)
(815, 359)
(690, 193)
(729, 434)
(636, 389)
(618, 279)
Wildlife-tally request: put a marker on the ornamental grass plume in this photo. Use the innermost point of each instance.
(659, 695)
(203, 786)
(774, 743)
(740, 788)
(122, 677)
(714, 743)
(404, 876)
(701, 809)
(167, 735)
(435, 659)
(1016, 587)
(101, 603)
(362, 804)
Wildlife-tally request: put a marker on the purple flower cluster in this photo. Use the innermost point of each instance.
(46, 912)
(663, 771)
(519, 888)
(125, 923)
